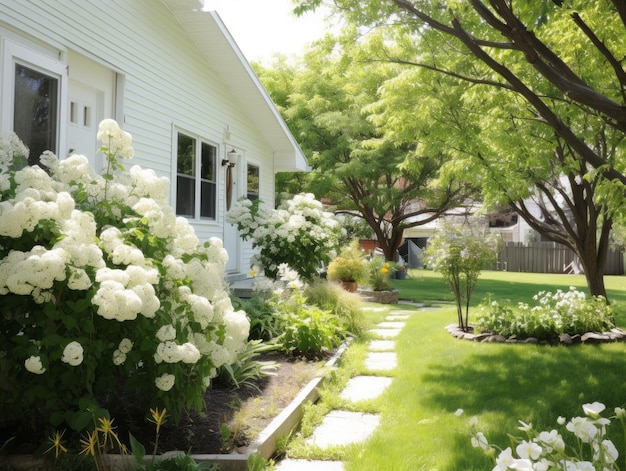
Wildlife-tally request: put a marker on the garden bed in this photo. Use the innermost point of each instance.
(613, 335)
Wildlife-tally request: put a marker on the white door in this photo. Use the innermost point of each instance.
(90, 100)
(85, 111)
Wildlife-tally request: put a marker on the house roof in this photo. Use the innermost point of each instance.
(214, 40)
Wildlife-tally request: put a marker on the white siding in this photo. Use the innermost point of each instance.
(168, 81)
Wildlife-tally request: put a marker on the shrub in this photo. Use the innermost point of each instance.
(298, 233)
(103, 287)
(350, 265)
(379, 271)
(556, 313)
(346, 306)
(459, 254)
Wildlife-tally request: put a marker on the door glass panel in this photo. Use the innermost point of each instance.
(35, 113)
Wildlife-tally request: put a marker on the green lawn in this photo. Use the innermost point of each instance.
(496, 383)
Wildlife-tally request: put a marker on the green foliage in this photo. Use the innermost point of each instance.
(460, 254)
(247, 368)
(379, 271)
(261, 314)
(569, 312)
(350, 265)
(346, 306)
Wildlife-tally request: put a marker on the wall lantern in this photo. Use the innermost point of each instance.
(232, 159)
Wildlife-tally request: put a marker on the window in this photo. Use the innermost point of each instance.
(33, 91)
(252, 185)
(196, 186)
(35, 112)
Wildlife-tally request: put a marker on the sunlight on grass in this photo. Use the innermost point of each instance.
(499, 384)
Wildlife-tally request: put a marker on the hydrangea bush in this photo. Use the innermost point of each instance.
(459, 254)
(104, 288)
(547, 450)
(555, 313)
(299, 233)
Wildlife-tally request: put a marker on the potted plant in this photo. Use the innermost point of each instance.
(379, 273)
(349, 267)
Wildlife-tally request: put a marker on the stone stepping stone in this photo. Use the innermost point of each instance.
(361, 388)
(397, 318)
(390, 325)
(381, 345)
(381, 361)
(385, 333)
(304, 465)
(401, 312)
(374, 309)
(343, 428)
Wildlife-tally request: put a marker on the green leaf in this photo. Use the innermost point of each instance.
(137, 449)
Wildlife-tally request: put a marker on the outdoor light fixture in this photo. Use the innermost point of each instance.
(231, 161)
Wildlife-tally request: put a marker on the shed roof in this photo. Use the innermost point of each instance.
(215, 42)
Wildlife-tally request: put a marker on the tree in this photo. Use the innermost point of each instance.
(356, 167)
(542, 73)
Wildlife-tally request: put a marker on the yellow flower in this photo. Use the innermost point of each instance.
(90, 444)
(108, 431)
(252, 273)
(385, 270)
(158, 418)
(57, 444)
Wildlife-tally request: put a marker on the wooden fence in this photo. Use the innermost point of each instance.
(550, 257)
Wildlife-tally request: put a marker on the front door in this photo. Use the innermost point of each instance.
(90, 100)
(232, 241)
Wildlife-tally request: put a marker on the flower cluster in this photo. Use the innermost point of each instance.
(555, 313)
(379, 273)
(102, 284)
(299, 232)
(546, 450)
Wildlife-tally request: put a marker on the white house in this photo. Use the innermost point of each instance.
(171, 75)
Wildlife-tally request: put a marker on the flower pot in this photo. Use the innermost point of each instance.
(349, 286)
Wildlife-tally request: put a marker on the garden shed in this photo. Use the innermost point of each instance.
(172, 76)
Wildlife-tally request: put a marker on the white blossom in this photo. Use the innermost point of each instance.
(73, 354)
(34, 365)
(165, 382)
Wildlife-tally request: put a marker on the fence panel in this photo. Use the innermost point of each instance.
(550, 257)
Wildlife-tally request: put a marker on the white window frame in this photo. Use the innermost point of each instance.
(198, 180)
(14, 53)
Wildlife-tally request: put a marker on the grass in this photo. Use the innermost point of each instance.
(498, 384)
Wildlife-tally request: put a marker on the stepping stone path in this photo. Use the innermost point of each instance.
(343, 427)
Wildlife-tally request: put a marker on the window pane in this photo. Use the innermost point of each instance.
(185, 196)
(253, 182)
(35, 111)
(186, 155)
(207, 207)
(208, 162)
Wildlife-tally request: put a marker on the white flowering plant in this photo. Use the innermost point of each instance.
(299, 233)
(103, 288)
(588, 448)
(570, 312)
(460, 254)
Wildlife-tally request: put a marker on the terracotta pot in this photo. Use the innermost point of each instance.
(349, 286)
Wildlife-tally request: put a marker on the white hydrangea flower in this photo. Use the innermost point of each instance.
(34, 365)
(73, 354)
(119, 357)
(126, 345)
(166, 332)
(116, 141)
(189, 353)
(165, 382)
